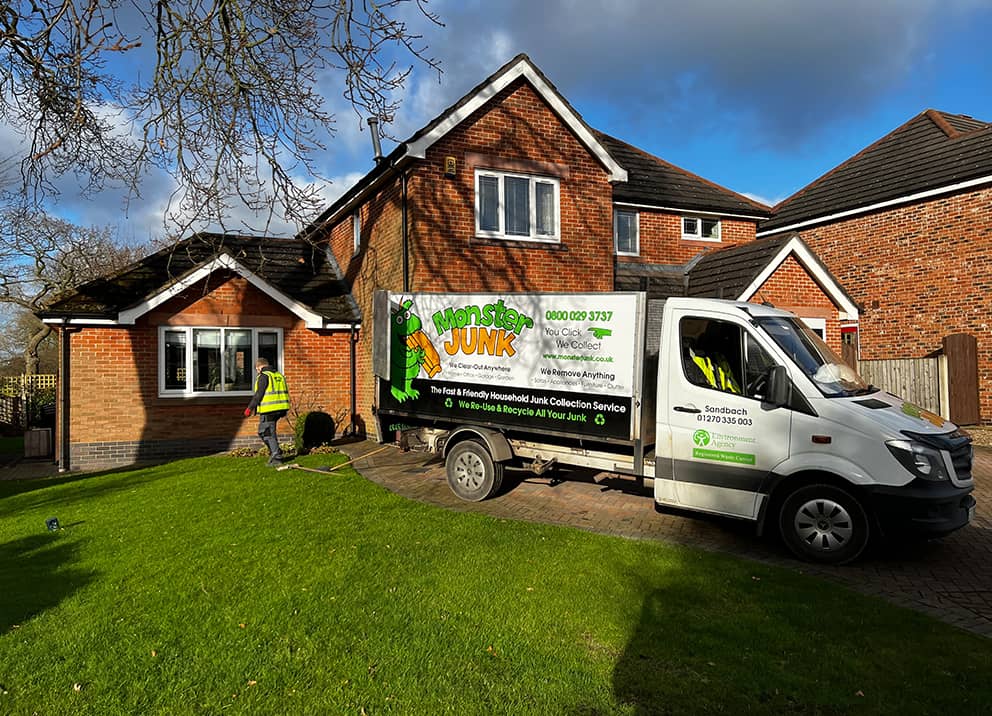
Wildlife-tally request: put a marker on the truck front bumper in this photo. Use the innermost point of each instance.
(923, 508)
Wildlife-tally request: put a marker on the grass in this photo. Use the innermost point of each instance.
(217, 585)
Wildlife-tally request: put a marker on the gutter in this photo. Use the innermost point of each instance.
(880, 205)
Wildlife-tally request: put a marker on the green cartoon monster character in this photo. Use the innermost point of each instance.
(410, 350)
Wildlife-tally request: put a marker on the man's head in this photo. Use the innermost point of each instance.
(261, 364)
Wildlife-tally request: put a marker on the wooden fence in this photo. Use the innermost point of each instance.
(22, 385)
(914, 379)
(27, 400)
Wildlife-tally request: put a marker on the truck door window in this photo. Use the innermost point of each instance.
(756, 365)
(712, 355)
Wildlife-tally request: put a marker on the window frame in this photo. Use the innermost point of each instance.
(188, 391)
(532, 181)
(698, 236)
(637, 232)
(356, 231)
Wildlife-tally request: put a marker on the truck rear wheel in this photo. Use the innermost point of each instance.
(823, 523)
(472, 474)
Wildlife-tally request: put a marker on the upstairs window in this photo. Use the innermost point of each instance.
(626, 232)
(695, 228)
(208, 361)
(516, 206)
(356, 231)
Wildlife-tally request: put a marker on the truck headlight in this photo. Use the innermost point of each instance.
(919, 459)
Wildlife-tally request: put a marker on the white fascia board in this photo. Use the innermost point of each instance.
(687, 212)
(342, 326)
(848, 311)
(223, 261)
(930, 193)
(79, 321)
(418, 148)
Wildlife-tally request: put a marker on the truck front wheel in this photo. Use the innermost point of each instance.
(472, 474)
(823, 523)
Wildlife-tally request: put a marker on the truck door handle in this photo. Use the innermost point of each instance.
(686, 409)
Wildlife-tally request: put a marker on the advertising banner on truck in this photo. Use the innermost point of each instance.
(558, 362)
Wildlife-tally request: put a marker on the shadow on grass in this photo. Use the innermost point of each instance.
(36, 574)
(85, 486)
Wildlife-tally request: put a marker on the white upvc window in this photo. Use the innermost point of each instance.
(698, 228)
(516, 207)
(626, 232)
(356, 230)
(202, 360)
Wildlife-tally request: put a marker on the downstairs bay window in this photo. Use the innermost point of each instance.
(207, 361)
(516, 206)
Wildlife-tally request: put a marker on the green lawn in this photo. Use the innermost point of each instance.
(218, 585)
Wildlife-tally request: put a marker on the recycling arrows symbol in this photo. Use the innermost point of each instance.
(600, 419)
(447, 402)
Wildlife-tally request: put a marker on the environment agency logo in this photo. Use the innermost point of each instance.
(701, 438)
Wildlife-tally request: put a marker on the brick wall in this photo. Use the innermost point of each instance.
(920, 272)
(661, 239)
(116, 416)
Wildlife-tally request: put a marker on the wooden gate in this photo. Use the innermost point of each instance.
(961, 350)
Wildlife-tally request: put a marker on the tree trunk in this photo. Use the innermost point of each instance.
(31, 359)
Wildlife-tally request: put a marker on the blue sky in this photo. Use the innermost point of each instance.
(760, 96)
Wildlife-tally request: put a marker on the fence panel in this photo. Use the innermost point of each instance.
(914, 379)
(10, 410)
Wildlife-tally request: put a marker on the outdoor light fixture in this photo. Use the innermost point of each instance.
(52, 523)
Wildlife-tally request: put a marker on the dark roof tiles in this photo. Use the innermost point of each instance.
(934, 150)
(301, 271)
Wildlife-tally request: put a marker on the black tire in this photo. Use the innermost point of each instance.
(825, 524)
(472, 474)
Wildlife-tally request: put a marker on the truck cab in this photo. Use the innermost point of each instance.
(758, 418)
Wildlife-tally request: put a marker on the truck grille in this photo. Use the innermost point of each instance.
(958, 444)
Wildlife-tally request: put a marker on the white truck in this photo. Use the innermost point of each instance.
(729, 408)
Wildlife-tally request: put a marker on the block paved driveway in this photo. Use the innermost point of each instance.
(950, 579)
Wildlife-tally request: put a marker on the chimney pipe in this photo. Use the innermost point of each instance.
(374, 128)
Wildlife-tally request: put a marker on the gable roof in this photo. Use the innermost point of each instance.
(417, 145)
(653, 182)
(304, 279)
(934, 153)
(733, 273)
(638, 178)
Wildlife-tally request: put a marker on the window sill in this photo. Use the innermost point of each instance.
(702, 241)
(554, 245)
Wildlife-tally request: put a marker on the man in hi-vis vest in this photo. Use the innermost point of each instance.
(271, 402)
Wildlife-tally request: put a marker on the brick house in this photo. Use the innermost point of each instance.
(158, 360)
(906, 226)
(438, 213)
(506, 190)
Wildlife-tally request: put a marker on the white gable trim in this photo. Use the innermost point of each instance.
(523, 68)
(795, 247)
(128, 316)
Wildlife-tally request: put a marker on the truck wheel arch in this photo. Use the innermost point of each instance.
(494, 440)
(779, 487)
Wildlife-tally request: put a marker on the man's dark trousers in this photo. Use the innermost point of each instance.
(267, 431)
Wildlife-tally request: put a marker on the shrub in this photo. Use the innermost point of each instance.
(312, 430)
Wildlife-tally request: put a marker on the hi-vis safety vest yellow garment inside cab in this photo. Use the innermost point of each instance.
(276, 394)
(718, 376)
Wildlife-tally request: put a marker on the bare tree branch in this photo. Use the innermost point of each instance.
(233, 108)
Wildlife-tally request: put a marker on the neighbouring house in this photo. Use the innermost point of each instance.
(906, 226)
(506, 190)
(158, 360)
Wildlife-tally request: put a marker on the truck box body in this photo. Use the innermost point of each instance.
(563, 364)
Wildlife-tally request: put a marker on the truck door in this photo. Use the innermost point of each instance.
(725, 440)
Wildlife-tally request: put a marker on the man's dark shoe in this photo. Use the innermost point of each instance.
(276, 461)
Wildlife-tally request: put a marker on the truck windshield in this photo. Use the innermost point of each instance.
(833, 377)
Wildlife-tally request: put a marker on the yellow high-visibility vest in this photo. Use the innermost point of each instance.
(718, 375)
(276, 394)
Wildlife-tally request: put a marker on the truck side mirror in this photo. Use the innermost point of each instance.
(779, 386)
